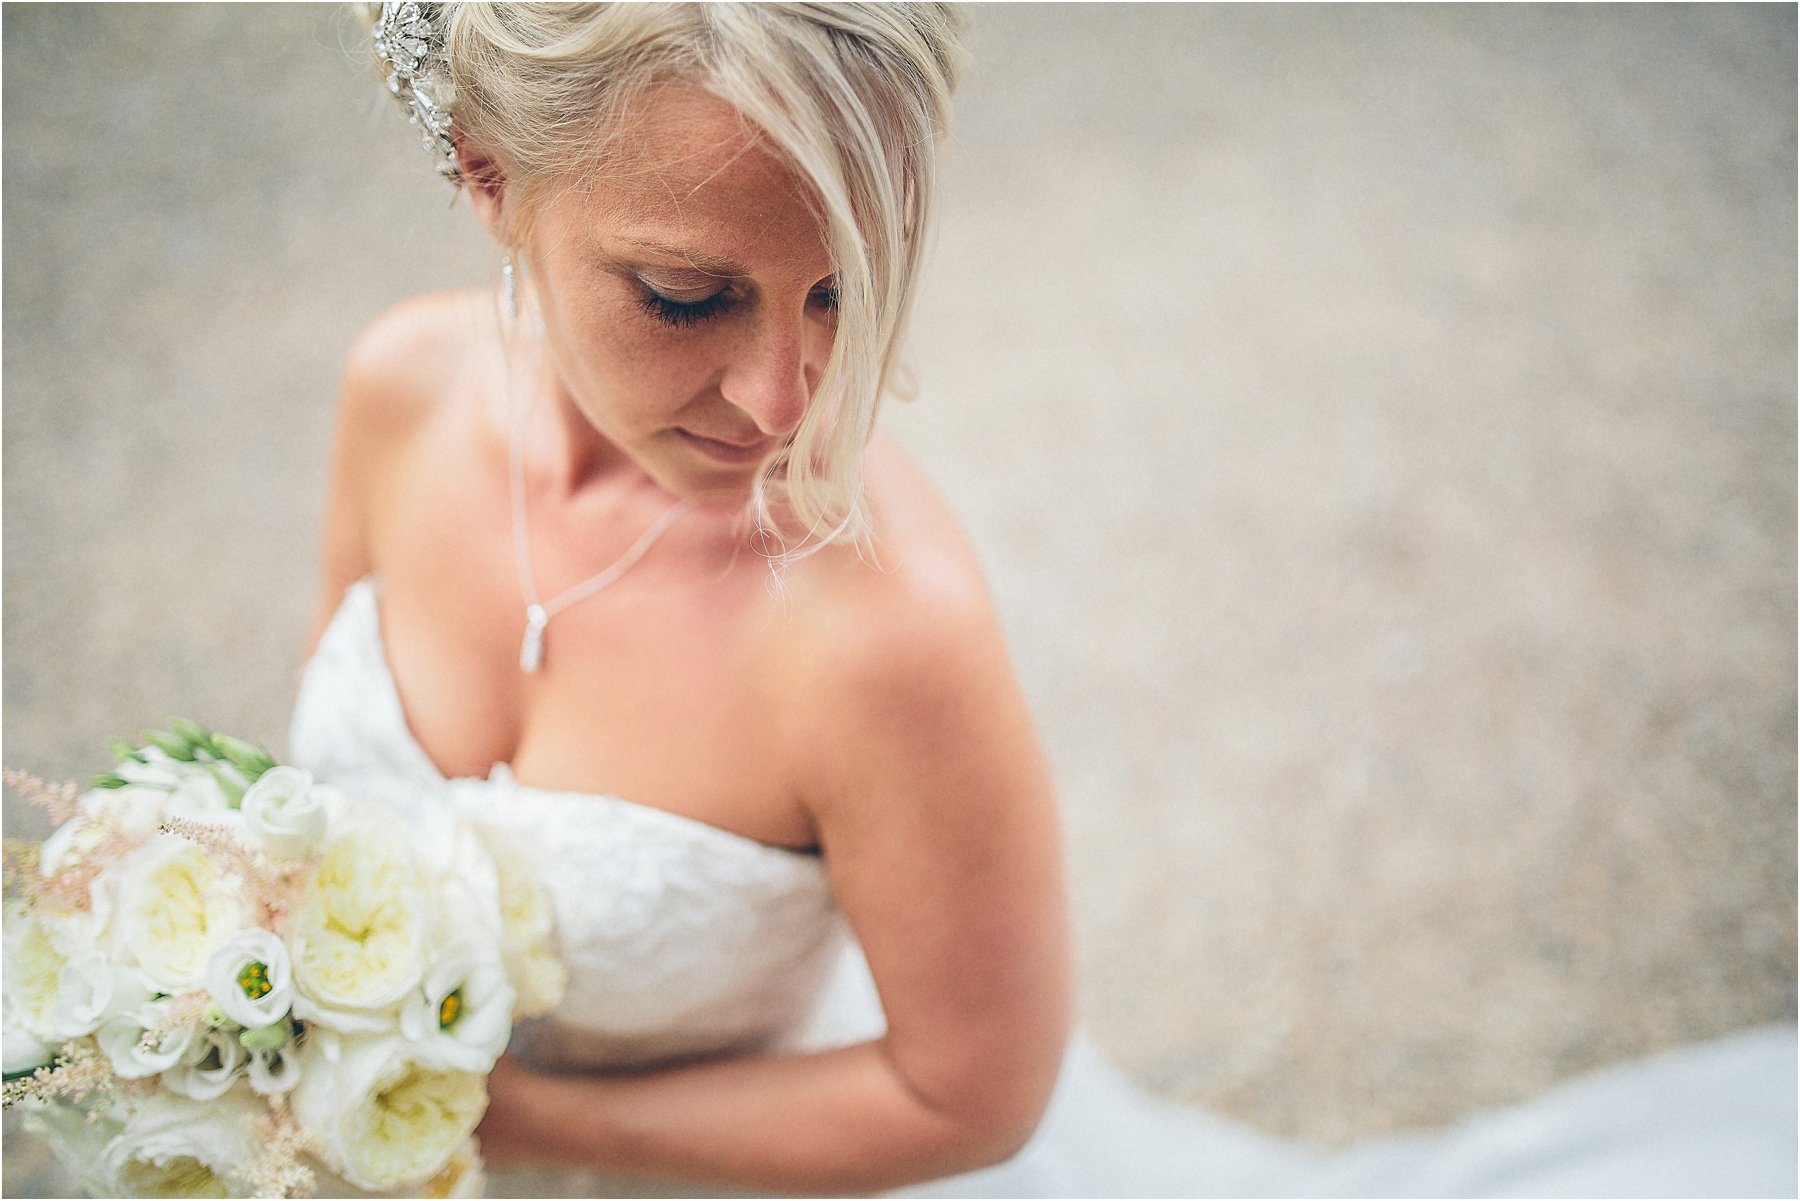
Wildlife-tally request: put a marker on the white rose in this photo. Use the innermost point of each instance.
(358, 938)
(172, 908)
(249, 976)
(213, 1063)
(284, 812)
(383, 1121)
(536, 971)
(175, 1147)
(462, 1016)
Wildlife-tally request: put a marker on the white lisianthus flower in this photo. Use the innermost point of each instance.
(121, 1039)
(213, 1063)
(171, 908)
(462, 1016)
(89, 990)
(275, 1070)
(382, 1120)
(284, 813)
(175, 1147)
(250, 978)
(537, 973)
(358, 938)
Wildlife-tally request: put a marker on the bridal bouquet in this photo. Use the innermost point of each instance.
(225, 978)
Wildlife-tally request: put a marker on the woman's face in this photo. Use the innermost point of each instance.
(687, 296)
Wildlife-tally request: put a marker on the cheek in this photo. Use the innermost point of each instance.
(633, 363)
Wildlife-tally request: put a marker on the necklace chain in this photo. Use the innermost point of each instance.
(537, 612)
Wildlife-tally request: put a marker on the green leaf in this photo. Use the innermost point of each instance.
(107, 780)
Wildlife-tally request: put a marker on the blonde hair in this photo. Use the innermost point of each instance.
(854, 96)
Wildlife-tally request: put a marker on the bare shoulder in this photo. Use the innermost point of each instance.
(919, 589)
(903, 648)
(403, 370)
(408, 360)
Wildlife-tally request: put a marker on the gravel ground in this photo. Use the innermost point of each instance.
(1378, 423)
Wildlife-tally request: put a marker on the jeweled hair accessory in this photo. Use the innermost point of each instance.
(409, 41)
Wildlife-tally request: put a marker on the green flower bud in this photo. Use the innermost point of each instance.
(123, 751)
(191, 732)
(107, 780)
(247, 757)
(170, 745)
(266, 1038)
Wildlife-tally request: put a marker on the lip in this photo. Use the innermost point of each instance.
(733, 453)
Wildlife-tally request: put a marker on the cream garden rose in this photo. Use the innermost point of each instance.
(58, 984)
(538, 974)
(176, 1147)
(172, 907)
(359, 939)
(381, 1119)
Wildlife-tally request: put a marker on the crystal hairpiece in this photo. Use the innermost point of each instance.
(409, 40)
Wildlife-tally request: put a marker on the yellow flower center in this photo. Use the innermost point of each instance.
(449, 1009)
(253, 979)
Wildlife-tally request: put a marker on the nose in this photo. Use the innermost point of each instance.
(772, 373)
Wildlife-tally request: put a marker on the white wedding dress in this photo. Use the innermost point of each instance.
(683, 940)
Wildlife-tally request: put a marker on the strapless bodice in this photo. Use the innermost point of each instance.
(682, 939)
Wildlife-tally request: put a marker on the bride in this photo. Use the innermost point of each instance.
(618, 561)
(618, 531)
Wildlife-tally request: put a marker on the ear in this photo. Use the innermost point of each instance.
(486, 182)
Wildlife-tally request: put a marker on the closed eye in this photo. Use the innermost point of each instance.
(684, 313)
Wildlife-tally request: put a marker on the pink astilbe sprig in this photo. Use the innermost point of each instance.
(58, 801)
(72, 887)
(79, 1072)
(278, 1169)
(186, 1010)
(271, 886)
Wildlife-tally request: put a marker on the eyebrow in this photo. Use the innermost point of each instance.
(711, 264)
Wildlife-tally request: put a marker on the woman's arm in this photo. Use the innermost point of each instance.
(937, 825)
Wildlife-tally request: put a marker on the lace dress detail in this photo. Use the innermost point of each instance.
(682, 939)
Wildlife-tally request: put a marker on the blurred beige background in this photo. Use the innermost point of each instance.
(1379, 425)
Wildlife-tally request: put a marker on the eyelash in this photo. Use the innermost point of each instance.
(689, 313)
(684, 314)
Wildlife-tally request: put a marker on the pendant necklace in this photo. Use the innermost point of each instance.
(537, 612)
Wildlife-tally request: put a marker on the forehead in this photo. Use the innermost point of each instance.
(686, 169)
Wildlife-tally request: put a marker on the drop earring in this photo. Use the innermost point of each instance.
(509, 286)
